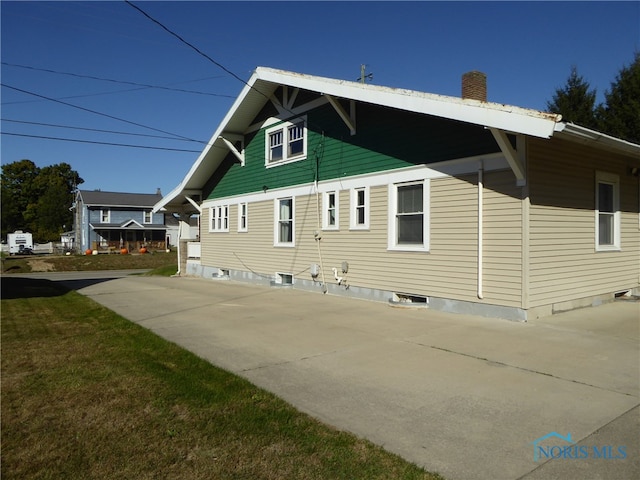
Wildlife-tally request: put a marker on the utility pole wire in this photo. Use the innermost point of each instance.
(100, 113)
(116, 81)
(98, 143)
(193, 47)
(71, 127)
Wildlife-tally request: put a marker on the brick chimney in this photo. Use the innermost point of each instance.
(474, 86)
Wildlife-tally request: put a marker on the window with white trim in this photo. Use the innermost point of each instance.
(359, 209)
(284, 234)
(607, 211)
(243, 217)
(330, 219)
(286, 142)
(408, 216)
(105, 216)
(219, 218)
(148, 216)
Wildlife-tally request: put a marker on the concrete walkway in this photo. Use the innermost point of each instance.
(463, 396)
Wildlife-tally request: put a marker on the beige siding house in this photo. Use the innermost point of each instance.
(454, 204)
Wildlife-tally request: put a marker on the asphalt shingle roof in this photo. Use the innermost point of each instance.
(119, 199)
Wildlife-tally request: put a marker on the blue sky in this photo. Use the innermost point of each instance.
(526, 49)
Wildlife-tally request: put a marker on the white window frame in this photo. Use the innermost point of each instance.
(325, 210)
(277, 220)
(147, 216)
(285, 129)
(354, 207)
(243, 217)
(392, 234)
(105, 218)
(614, 181)
(219, 218)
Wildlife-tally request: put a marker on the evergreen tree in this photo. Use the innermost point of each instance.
(620, 114)
(575, 102)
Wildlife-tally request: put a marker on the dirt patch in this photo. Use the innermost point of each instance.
(38, 265)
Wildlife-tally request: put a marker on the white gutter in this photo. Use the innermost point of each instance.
(588, 136)
(480, 227)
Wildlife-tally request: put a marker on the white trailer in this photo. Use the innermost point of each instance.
(20, 242)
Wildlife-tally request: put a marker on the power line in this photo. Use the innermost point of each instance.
(94, 130)
(125, 82)
(99, 113)
(200, 52)
(193, 47)
(99, 143)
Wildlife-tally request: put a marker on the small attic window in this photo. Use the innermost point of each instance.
(286, 142)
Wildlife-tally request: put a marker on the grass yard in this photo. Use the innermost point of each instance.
(87, 394)
(66, 263)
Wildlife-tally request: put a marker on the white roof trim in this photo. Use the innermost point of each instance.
(495, 115)
(492, 115)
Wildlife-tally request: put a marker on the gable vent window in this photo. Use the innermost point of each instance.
(286, 142)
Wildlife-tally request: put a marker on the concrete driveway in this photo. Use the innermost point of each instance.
(460, 395)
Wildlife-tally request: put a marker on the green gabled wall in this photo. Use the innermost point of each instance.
(386, 139)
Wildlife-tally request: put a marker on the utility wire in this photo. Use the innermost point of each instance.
(118, 81)
(193, 47)
(101, 114)
(93, 130)
(99, 143)
(196, 49)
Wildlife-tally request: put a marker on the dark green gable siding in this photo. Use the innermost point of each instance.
(386, 139)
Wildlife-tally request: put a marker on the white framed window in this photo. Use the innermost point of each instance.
(219, 218)
(607, 221)
(105, 216)
(330, 209)
(243, 217)
(359, 209)
(286, 142)
(148, 216)
(409, 216)
(284, 233)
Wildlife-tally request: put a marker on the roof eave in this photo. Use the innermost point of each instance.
(493, 115)
(585, 135)
(510, 119)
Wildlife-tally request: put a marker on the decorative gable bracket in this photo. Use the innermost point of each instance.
(515, 157)
(236, 138)
(285, 105)
(348, 118)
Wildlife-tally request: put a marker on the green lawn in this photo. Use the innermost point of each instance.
(87, 394)
(65, 263)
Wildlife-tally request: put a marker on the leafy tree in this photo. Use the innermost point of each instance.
(620, 115)
(17, 190)
(575, 101)
(38, 199)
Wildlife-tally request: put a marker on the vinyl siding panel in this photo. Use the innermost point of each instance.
(448, 270)
(564, 263)
(502, 239)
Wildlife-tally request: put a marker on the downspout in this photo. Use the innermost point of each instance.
(480, 226)
(179, 272)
